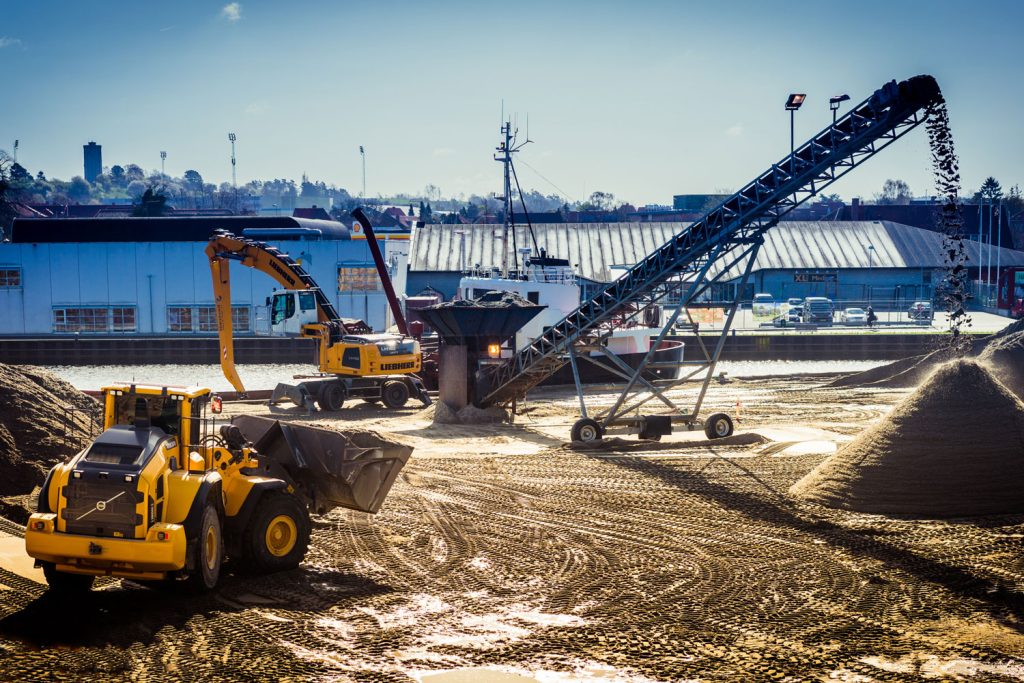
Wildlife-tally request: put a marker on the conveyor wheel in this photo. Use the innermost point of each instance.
(718, 426)
(587, 430)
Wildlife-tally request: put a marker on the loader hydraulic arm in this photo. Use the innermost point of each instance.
(225, 247)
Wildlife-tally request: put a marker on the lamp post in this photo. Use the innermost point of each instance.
(163, 159)
(792, 104)
(231, 139)
(871, 253)
(833, 104)
(362, 153)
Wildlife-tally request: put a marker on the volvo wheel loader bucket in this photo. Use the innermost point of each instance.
(347, 469)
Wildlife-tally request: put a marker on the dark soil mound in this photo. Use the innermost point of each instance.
(953, 448)
(42, 420)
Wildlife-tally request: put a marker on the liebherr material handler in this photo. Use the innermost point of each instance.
(353, 362)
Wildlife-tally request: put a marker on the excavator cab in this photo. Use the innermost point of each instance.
(290, 310)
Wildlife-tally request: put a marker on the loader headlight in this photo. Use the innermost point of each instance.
(38, 526)
(162, 536)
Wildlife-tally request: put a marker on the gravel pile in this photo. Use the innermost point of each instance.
(953, 448)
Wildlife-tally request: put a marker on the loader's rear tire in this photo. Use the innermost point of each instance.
(64, 583)
(209, 553)
(332, 397)
(278, 534)
(395, 394)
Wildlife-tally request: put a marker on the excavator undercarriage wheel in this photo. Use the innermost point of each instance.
(64, 583)
(209, 552)
(395, 394)
(332, 397)
(278, 534)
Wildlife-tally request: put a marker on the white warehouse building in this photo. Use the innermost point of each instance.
(152, 277)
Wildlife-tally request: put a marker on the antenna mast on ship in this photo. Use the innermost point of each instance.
(505, 150)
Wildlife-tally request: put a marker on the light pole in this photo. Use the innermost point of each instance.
(833, 104)
(871, 253)
(231, 139)
(163, 159)
(792, 104)
(362, 153)
(16, 150)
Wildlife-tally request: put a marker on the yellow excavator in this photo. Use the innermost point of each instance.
(353, 362)
(162, 495)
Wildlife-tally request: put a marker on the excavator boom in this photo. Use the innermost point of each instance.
(225, 247)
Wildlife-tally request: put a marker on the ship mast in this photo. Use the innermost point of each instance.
(505, 150)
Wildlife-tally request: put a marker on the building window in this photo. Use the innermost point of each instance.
(240, 319)
(179, 318)
(358, 278)
(122, 319)
(10, 277)
(204, 319)
(94, 319)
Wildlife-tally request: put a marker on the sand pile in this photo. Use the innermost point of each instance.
(470, 415)
(910, 372)
(33, 423)
(1005, 356)
(953, 448)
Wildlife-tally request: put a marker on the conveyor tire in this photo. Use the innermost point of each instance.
(65, 583)
(332, 397)
(586, 430)
(395, 393)
(209, 552)
(718, 426)
(278, 534)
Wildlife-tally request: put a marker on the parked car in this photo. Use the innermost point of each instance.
(854, 316)
(763, 304)
(921, 310)
(817, 309)
(790, 317)
(795, 302)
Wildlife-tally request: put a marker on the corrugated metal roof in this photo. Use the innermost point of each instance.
(595, 248)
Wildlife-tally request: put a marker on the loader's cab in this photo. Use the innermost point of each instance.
(290, 310)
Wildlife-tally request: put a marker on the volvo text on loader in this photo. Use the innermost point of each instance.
(353, 362)
(160, 495)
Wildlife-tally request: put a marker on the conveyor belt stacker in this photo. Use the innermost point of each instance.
(723, 242)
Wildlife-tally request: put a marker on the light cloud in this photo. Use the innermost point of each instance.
(443, 152)
(232, 11)
(9, 42)
(257, 108)
(168, 28)
(734, 131)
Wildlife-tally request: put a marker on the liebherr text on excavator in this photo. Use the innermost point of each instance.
(353, 362)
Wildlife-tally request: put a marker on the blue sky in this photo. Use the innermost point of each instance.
(642, 99)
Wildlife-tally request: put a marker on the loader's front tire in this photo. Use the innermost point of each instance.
(64, 583)
(278, 534)
(209, 553)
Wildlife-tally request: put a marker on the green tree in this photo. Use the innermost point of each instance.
(990, 192)
(153, 204)
(193, 180)
(894, 192)
(79, 190)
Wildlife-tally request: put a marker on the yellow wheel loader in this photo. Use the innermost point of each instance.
(162, 495)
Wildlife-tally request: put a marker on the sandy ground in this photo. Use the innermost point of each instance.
(503, 555)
